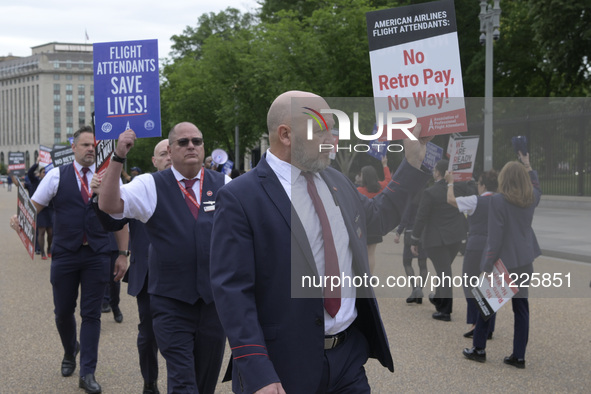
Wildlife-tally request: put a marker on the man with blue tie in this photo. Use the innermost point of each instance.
(177, 206)
(80, 257)
(293, 217)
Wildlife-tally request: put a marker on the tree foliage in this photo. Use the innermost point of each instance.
(226, 70)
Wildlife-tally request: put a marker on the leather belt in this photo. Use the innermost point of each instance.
(332, 341)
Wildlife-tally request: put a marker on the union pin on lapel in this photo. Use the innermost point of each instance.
(209, 193)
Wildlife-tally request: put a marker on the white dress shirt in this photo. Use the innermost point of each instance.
(140, 197)
(47, 189)
(467, 205)
(295, 185)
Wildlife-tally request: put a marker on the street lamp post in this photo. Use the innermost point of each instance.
(489, 31)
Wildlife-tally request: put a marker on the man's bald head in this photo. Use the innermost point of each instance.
(161, 145)
(161, 158)
(280, 111)
(287, 122)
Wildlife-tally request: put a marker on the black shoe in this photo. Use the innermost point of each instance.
(516, 362)
(89, 384)
(106, 308)
(117, 315)
(475, 354)
(69, 362)
(489, 335)
(151, 388)
(441, 316)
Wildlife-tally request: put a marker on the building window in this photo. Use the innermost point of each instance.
(81, 98)
(81, 108)
(57, 108)
(69, 88)
(81, 64)
(69, 131)
(68, 77)
(68, 64)
(56, 87)
(57, 98)
(81, 77)
(56, 64)
(69, 97)
(56, 77)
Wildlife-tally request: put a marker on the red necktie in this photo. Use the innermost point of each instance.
(189, 187)
(332, 298)
(84, 189)
(85, 197)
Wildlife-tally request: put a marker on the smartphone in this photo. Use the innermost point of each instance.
(519, 144)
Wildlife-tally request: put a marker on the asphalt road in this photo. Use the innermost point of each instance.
(427, 353)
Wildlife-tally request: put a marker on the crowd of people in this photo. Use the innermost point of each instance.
(216, 259)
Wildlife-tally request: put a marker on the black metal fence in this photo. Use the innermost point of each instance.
(558, 133)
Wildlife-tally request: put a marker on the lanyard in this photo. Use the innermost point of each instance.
(82, 184)
(186, 193)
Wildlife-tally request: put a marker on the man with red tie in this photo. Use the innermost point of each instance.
(177, 206)
(290, 218)
(80, 257)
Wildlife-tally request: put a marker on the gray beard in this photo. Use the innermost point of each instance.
(306, 163)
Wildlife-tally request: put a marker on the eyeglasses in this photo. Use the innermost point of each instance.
(196, 141)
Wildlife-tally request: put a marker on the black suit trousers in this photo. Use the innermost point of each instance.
(442, 257)
(191, 340)
(146, 340)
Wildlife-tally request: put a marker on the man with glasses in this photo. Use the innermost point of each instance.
(177, 206)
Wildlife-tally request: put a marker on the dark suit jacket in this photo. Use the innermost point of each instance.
(437, 223)
(510, 234)
(274, 336)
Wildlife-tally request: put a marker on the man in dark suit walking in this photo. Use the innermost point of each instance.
(440, 228)
(290, 344)
(80, 257)
(177, 206)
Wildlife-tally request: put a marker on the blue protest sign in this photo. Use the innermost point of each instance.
(377, 148)
(126, 89)
(227, 168)
(433, 155)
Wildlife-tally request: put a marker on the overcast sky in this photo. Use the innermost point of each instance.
(28, 23)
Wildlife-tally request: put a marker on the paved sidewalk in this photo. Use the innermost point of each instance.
(427, 353)
(564, 232)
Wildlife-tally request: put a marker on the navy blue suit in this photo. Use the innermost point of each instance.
(137, 286)
(76, 265)
(511, 238)
(185, 321)
(112, 294)
(257, 233)
(478, 232)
